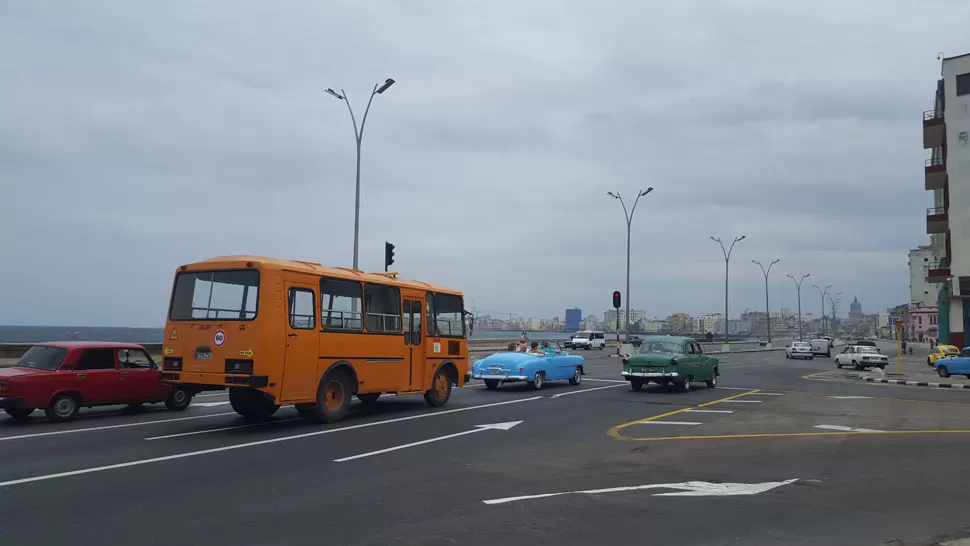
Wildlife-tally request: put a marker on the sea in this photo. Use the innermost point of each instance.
(37, 334)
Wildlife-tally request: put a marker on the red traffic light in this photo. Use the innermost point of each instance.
(616, 299)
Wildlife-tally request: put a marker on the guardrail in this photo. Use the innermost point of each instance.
(476, 347)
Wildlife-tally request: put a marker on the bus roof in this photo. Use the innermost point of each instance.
(230, 262)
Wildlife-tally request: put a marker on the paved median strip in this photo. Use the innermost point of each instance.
(913, 383)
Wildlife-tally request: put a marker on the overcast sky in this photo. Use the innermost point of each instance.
(137, 136)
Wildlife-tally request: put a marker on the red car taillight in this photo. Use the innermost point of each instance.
(673, 361)
(4, 387)
(865, 358)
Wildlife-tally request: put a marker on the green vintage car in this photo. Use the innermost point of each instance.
(670, 360)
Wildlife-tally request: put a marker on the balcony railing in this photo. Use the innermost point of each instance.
(936, 211)
(934, 162)
(936, 113)
(936, 272)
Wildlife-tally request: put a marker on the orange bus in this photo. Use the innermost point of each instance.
(278, 332)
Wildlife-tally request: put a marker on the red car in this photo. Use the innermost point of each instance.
(61, 377)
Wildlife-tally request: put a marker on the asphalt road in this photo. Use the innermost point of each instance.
(813, 458)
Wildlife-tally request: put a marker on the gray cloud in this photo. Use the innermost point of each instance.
(140, 136)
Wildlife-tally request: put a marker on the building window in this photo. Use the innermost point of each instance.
(382, 308)
(963, 84)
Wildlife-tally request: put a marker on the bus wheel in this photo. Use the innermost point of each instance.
(251, 403)
(333, 399)
(440, 390)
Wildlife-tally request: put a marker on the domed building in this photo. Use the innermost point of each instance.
(855, 310)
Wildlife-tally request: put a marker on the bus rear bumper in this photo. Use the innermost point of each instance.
(214, 381)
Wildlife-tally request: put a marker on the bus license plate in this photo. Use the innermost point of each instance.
(203, 355)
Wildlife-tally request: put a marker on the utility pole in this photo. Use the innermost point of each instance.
(727, 260)
(798, 286)
(767, 308)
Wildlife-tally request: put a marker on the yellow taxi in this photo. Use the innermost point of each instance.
(941, 351)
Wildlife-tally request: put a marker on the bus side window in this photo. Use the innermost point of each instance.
(382, 308)
(429, 299)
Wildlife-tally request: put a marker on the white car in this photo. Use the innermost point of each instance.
(799, 349)
(861, 357)
(588, 339)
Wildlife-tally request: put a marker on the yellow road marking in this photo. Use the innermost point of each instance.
(809, 376)
(615, 431)
(794, 434)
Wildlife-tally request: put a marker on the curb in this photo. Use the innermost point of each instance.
(913, 383)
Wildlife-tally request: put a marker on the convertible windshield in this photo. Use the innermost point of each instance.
(661, 347)
(950, 351)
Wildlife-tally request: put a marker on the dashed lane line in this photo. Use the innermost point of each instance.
(193, 433)
(585, 390)
(188, 454)
(709, 411)
(109, 427)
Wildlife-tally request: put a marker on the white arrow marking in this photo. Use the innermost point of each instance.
(688, 489)
(478, 428)
(846, 429)
(210, 404)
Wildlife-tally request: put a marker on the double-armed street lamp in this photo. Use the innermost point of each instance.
(798, 286)
(629, 222)
(766, 271)
(727, 260)
(379, 89)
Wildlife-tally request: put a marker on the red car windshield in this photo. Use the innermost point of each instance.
(42, 357)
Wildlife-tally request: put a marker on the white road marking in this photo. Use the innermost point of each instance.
(109, 427)
(478, 428)
(252, 444)
(213, 394)
(849, 397)
(585, 390)
(605, 380)
(846, 429)
(770, 394)
(710, 411)
(222, 428)
(741, 401)
(210, 404)
(669, 423)
(736, 388)
(688, 489)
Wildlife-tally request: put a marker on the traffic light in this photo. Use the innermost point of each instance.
(388, 255)
(616, 299)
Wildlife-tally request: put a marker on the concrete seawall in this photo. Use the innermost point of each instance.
(477, 348)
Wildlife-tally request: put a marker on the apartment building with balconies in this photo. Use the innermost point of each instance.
(946, 133)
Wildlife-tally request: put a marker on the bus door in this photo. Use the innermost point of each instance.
(413, 309)
(300, 367)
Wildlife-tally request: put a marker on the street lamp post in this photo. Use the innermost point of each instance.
(629, 221)
(822, 292)
(379, 89)
(767, 308)
(727, 259)
(798, 286)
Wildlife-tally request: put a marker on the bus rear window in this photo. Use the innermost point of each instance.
(215, 295)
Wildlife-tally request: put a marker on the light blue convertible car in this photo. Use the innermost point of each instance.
(512, 367)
